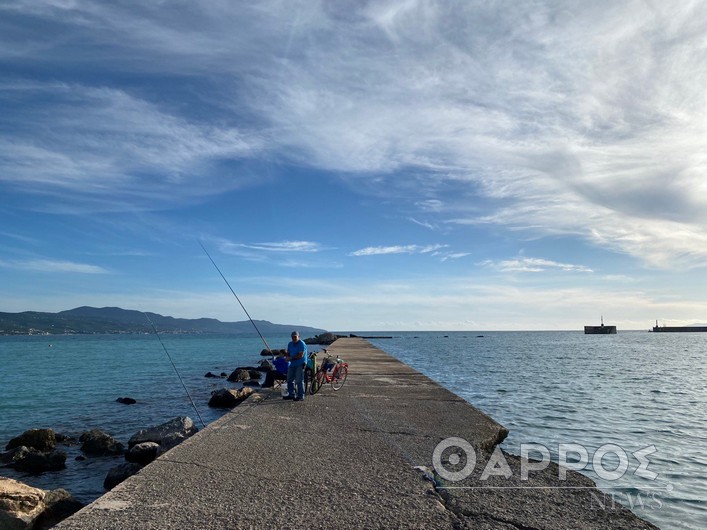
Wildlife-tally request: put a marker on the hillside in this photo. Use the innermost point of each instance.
(89, 320)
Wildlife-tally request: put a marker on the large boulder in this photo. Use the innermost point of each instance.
(20, 504)
(229, 398)
(265, 366)
(39, 439)
(97, 443)
(143, 453)
(118, 474)
(167, 435)
(32, 461)
(239, 375)
(60, 505)
(24, 507)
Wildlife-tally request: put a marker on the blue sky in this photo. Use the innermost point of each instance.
(392, 165)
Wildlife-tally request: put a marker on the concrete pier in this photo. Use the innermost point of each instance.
(345, 459)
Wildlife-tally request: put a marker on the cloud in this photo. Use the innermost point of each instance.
(423, 224)
(301, 264)
(454, 255)
(587, 122)
(271, 252)
(397, 249)
(286, 246)
(278, 246)
(430, 205)
(52, 266)
(20, 238)
(523, 264)
(537, 117)
(110, 148)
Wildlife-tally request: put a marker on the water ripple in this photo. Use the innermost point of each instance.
(634, 389)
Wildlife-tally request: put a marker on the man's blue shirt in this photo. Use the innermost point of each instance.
(294, 349)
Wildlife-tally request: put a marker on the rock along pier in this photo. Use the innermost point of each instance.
(357, 458)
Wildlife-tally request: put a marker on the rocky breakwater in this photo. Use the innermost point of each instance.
(147, 444)
(35, 451)
(324, 339)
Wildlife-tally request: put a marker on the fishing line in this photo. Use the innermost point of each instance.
(175, 369)
(239, 300)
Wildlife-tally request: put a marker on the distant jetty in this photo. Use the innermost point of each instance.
(679, 329)
(600, 330)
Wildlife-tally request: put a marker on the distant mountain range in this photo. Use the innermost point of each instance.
(84, 320)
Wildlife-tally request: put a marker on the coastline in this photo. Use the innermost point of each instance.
(361, 457)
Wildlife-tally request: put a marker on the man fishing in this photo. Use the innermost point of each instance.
(297, 355)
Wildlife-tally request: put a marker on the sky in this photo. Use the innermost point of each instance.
(353, 165)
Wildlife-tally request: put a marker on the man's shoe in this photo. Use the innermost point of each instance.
(298, 399)
(288, 397)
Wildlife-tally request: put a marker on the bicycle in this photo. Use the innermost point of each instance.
(330, 372)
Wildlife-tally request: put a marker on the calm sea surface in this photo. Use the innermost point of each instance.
(70, 383)
(634, 389)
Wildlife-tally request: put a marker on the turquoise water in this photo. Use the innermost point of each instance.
(70, 384)
(633, 389)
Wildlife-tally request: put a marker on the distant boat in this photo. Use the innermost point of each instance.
(600, 330)
(679, 329)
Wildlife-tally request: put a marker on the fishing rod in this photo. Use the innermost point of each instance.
(239, 300)
(175, 368)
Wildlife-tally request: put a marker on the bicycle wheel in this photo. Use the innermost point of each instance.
(317, 382)
(339, 378)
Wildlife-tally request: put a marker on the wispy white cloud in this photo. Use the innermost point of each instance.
(458, 302)
(277, 246)
(430, 205)
(523, 264)
(309, 264)
(54, 266)
(454, 255)
(423, 224)
(622, 278)
(20, 238)
(282, 253)
(286, 246)
(109, 148)
(586, 120)
(397, 249)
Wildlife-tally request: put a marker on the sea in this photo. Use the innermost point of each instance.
(634, 402)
